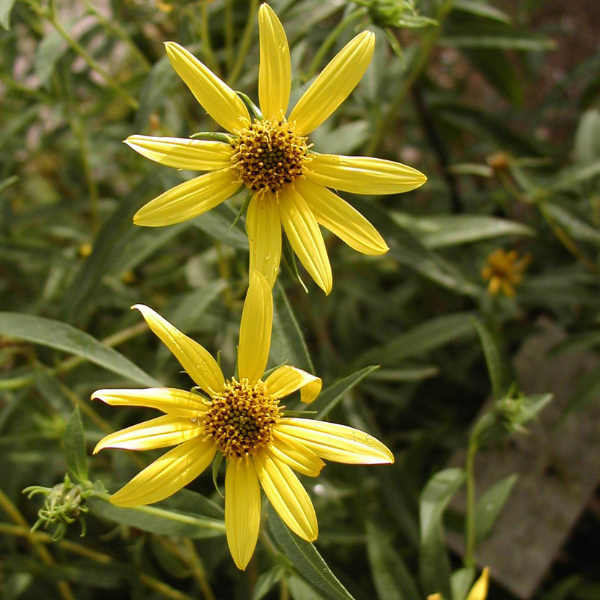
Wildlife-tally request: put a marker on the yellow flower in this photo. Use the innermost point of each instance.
(244, 421)
(504, 271)
(272, 157)
(479, 590)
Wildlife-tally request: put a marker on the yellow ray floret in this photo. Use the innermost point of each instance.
(244, 421)
(273, 159)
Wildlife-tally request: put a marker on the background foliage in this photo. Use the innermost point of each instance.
(496, 103)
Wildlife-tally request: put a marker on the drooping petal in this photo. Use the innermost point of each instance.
(306, 238)
(198, 363)
(177, 403)
(167, 475)
(297, 456)
(242, 510)
(156, 433)
(479, 590)
(335, 442)
(275, 71)
(287, 495)
(334, 84)
(215, 96)
(180, 153)
(340, 218)
(255, 329)
(264, 235)
(363, 174)
(188, 200)
(286, 380)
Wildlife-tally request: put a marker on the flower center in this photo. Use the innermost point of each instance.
(241, 418)
(268, 155)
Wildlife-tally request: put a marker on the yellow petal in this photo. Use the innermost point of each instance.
(156, 433)
(264, 235)
(297, 456)
(286, 380)
(306, 238)
(167, 475)
(363, 174)
(255, 329)
(340, 218)
(287, 495)
(334, 84)
(188, 200)
(177, 403)
(198, 363)
(275, 71)
(215, 96)
(242, 510)
(479, 590)
(335, 442)
(195, 155)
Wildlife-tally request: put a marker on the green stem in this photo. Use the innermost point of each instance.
(229, 35)
(244, 44)
(385, 124)
(470, 520)
(330, 40)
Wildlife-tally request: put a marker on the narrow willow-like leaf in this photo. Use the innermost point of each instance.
(67, 338)
(305, 558)
(156, 519)
(493, 358)
(461, 582)
(328, 399)
(490, 505)
(287, 343)
(434, 565)
(391, 576)
(217, 223)
(6, 7)
(75, 453)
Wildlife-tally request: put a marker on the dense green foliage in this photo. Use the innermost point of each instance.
(461, 90)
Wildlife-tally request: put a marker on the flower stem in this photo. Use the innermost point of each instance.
(470, 520)
(330, 40)
(244, 44)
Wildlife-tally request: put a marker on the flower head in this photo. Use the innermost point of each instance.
(243, 420)
(272, 158)
(504, 271)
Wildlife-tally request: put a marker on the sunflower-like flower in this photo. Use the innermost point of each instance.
(244, 421)
(504, 270)
(272, 158)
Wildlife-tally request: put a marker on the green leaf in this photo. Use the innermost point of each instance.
(6, 7)
(67, 338)
(587, 137)
(421, 339)
(156, 519)
(410, 252)
(587, 391)
(300, 590)
(480, 9)
(287, 342)
(490, 505)
(461, 582)
(267, 581)
(434, 565)
(158, 82)
(75, 452)
(305, 558)
(392, 578)
(217, 223)
(328, 399)
(408, 372)
(47, 54)
(574, 226)
(493, 358)
(452, 230)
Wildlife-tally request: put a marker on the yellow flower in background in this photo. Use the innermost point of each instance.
(504, 271)
(244, 421)
(479, 590)
(272, 158)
